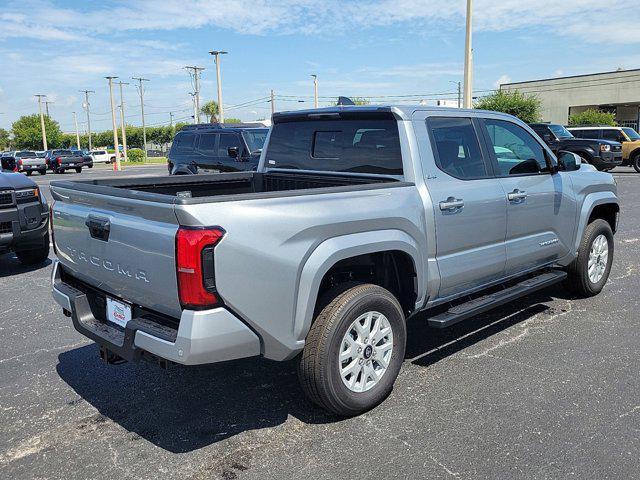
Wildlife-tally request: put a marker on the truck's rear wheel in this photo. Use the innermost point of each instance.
(34, 256)
(354, 350)
(589, 272)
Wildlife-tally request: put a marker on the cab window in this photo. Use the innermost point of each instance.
(456, 147)
(515, 150)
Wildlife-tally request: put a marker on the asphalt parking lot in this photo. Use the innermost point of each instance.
(547, 387)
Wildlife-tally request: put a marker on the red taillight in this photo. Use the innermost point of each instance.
(194, 266)
(53, 238)
(59, 160)
(20, 162)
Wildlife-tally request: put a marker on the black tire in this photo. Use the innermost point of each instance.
(36, 255)
(318, 368)
(43, 172)
(28, 172)
(635, 162)
(578, 281)
(79, 170)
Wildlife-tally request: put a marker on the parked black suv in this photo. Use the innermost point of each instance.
(24, 219)
(602, 154)
(213, 147)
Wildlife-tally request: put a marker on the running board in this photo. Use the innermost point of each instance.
(480, 305)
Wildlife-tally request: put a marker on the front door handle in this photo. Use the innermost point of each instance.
(517, 196)
(451, 204)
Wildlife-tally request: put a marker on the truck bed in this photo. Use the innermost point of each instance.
(188, 189)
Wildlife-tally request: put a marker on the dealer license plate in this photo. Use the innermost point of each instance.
(118, 312)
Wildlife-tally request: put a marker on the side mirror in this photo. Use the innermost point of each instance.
(233, 152)
(568, 161)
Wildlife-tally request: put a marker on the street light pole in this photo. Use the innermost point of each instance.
(75, 120)
(113, 121)
(44, 130)
(315, 91)
(468, 59)
(273, 103)
(216, 57)
(86, 102)
(122, 124)
(144, 126)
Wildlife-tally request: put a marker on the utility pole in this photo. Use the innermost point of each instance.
(86, 105)
(216, 58)
(468, 59)
(122, 124)
(46, 106)
(315, 91)
(195, 108)
(144, 126)
(171, 120)
(273, 103)
(113, 121)
(44, 131)
(75, 120)
(196, 80)
(459, 85)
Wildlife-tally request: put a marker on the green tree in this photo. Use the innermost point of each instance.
(358, 101)
(232, 120)
(525, 107)
(4, 139)
(593, 116)
(28, 134)
(210, 109)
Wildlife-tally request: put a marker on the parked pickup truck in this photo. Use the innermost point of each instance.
(61, 160)
(25, 161)
(24, 219)
(602, 154)
(356, 219)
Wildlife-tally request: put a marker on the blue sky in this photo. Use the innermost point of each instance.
(363, 48)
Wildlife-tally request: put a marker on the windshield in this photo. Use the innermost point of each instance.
(560, 131)
(631, 133)
(26, 154)
(255, 138)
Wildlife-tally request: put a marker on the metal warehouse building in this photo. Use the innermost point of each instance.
(616, 92)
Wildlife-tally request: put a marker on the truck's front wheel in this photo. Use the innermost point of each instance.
(589, 272)
(354, 350)
(35, 255)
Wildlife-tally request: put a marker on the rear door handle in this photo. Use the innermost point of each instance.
(517, 195)
(451, 204)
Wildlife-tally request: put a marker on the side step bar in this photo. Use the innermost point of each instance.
(480, 305)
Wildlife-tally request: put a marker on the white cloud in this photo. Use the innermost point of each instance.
(503, 79)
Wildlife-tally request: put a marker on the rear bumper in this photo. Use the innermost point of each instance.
(202, 337)
(32, 168)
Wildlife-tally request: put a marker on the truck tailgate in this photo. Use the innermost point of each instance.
(123, 246)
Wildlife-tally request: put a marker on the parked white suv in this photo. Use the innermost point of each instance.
(102, 156)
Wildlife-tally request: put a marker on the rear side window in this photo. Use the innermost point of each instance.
(591, 133)
(456, 147)
(183, 144)
(359, 145)
(208, 144)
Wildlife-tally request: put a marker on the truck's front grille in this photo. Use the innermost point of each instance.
(5, 227)
(6, 198)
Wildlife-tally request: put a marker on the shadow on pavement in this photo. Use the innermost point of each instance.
(9, 265)
(186, 408)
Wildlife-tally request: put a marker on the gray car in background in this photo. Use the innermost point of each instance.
(356, 219)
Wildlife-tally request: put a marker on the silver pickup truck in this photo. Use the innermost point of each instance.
(356, 219)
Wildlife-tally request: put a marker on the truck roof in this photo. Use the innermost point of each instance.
(402, 112)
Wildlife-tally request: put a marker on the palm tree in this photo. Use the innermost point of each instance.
(210, 109)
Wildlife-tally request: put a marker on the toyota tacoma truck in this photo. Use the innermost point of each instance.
(24, 219)
(602, 154)
(356, 219)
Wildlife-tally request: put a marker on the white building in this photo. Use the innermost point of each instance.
(615, 92)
